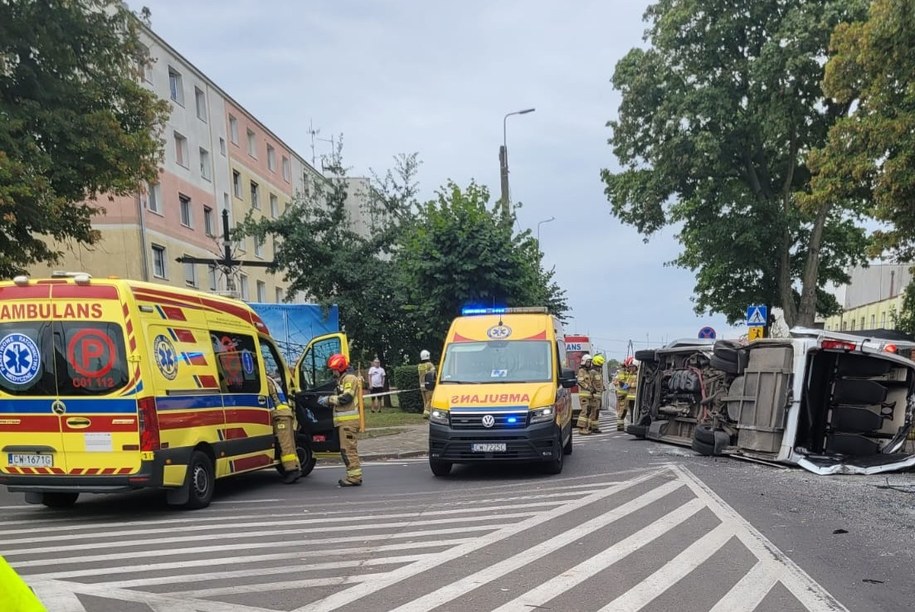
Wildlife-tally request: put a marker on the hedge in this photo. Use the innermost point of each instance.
(407, 377)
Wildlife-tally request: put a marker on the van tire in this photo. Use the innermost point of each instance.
(59, 500)
(307, 461)
(704, 434)
(728, 367)
(440, 468)
(200, 481)
(646, 355)
(703, 448)
(567, 448)
(554, 465)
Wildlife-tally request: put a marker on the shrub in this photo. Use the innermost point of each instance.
(407, 378)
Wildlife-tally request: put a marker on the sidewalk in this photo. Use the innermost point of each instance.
(413, 441)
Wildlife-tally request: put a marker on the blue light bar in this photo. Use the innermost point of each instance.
(512, 420)
(473, 310)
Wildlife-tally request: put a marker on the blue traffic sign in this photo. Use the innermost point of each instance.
(707, 332)
(757, 315)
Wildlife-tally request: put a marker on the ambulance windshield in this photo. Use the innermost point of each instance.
(498, 361)
(42, 358)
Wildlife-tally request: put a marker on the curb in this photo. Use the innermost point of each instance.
(392, 455)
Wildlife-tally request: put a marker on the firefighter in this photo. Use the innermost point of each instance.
(16, 594)
(346, 417)
(284, 429)
(597, 387)
(585, 395)
(625, 384)
(425, 368)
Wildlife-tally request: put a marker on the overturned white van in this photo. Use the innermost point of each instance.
(830, 403)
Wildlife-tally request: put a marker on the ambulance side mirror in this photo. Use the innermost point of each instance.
(567, 379)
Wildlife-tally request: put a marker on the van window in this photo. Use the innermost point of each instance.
(69, 358)
(314, 372)
(498, 361)
(273, 365)
(236, 362)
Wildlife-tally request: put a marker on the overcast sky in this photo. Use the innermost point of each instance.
(437, 78)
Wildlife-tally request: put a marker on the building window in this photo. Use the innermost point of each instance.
(873, 321)
(205, 168)
(862, 322)
(261, 291)
(274, 206)
(233, 129)
(209, 222)
(271, 159)
(236, 183)
(286, 170)
(146, 69)
(255, 195)
(853, 324)
(258, 247)
(252, 144)
(279, 295)
(184, 204)
(181, 152)
(154, 198)
(190, 273)
(222, 146)
(175, 86)
(200, 99)
(883, 320)
(844, 325)
(158, 253)
(211, 277)
(243, 285)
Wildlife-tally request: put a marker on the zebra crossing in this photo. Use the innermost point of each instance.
(639, 540)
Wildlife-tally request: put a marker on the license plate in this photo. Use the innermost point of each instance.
(21, 460)
(488, 447)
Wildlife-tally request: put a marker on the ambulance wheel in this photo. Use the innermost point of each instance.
(567, 449)
(59, 500)
(307, 459)
(554, 465)
(440, 468)
(200, 481)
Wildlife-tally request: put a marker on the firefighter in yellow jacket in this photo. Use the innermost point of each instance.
(625, 383)
(425, 368)
(346, 417)
(284, 430)
(586, 395)
(597, 388)
(15, 594)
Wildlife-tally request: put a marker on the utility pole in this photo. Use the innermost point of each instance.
(503, 163)
(226, 263)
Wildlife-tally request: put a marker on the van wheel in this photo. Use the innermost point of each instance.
(59, 500)
(440, 468)
(703, 448)
(307, 461)
(554, 466)
(200, 481)
(567, 449)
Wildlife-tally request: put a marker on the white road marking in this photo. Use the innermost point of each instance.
(247, 501)
(752, 588)
(274, 586)
(570, 578)
(347, 596)
(653, 586)
(58, 597)
(796, 580)
(155, 600)
(493, 572)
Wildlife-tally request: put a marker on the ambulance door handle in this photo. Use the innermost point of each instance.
(262, 400)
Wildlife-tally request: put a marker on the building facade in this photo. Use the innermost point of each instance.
(217, 157)
(872, 298)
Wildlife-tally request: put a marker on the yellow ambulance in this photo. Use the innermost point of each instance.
(502, 391)
(114, 385)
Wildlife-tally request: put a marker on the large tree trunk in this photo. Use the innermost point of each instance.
(808, 308)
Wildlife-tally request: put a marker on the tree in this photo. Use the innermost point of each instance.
(458, 252)
(716, 120)
(74, 121)
(870, 153)
(904, 321)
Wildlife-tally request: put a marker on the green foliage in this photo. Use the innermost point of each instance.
(870, 153)
(715, 120)
(407, 377)
(904, 321)
(74, 121)
(459, 251)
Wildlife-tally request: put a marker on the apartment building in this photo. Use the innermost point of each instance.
(218, 157)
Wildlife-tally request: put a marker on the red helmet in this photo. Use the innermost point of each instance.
(337, 362)
(627, 361)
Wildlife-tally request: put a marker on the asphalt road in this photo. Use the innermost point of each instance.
(628, 525)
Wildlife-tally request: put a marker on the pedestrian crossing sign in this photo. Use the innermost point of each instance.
(757, 315)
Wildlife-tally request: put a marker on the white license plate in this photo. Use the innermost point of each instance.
(22, 460)
(488, 447)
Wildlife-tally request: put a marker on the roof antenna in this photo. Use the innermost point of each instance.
(500, 310)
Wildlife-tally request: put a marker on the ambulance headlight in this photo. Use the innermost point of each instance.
(541, 415)
(438, 416)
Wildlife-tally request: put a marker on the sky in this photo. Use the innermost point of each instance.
(437, 78)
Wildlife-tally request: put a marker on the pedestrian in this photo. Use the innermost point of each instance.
(426, 375)
(346, 416)
(585, 395)
(597, 388)
(376, 384)
(283, 419)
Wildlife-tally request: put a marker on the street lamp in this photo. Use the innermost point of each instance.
(503, 159)
(539, 223)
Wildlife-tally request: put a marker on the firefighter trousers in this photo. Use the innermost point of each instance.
(587, 418)
(622, 408)
(347, 432)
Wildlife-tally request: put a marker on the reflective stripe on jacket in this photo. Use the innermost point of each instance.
(345, 406)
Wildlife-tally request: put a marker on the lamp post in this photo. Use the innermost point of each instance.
(539, 223)
(503, 159)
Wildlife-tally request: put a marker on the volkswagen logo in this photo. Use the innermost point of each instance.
(489, 420)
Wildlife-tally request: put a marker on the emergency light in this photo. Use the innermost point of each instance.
(475, 310)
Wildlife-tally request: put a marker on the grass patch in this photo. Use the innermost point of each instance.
(391, 417)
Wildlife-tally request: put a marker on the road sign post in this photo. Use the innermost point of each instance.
(756, 332)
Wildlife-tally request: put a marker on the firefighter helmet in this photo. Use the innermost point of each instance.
(424, 355)
(586, 358)
(598, 360)
(628, 361)
(337, 363)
